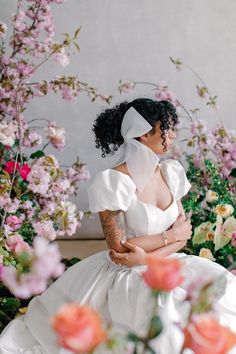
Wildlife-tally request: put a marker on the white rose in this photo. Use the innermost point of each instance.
(211, 196)
(224, 210)
(7, 133)
(206, 253)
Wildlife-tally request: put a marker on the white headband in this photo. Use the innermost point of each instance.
(141, 161)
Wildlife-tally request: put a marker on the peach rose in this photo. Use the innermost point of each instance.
(78, 327)
(163, 274)
(204, 334)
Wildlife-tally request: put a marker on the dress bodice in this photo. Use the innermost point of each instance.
(114, 190)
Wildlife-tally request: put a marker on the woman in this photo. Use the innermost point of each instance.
(138, 200)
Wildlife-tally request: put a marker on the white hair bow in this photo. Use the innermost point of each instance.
(141, 161)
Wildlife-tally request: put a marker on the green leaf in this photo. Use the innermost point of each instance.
(76, 45)
(17, 191)
(133, 337)
(10, 305)
(155, 328)
(37, 154)
(77, 32)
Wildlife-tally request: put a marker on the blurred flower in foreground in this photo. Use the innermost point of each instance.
(163, 274)
(204, 335)
(79, 328)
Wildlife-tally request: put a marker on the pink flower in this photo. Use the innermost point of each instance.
(61, 57)
(162, 93)
(233, 240)
(24, 171)
(68, 93)
(11, 205)
(23, 286)
(204, 334)
(16, 244)
(163, 274)
(79, 328)
(198, 127)
(32, 138)
(56, 135)
(126, 86)
(45, 229)
(11, 165)
(47, 262)
(38, 179)
(7, 133)
(13, 222)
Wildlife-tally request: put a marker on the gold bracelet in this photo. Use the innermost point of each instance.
(165, 239)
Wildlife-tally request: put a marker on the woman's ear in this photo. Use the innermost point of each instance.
(143, 138)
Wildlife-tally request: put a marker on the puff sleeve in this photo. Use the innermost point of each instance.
(111, 190)
(176, 179)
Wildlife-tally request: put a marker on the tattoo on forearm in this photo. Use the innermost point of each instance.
(113, 225)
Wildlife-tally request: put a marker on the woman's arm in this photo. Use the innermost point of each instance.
(113, 225)
(169, 249)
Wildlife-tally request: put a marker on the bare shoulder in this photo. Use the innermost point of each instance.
(122, 168)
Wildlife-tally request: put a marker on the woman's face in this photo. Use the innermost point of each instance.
(154, 141)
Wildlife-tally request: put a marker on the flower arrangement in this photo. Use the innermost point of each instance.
(35, 192)
(80, 329)
(211, 169)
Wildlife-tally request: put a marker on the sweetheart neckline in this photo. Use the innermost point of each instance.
(156, 207)
(150, 204)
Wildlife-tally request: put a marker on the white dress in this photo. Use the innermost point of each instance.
(117, 292)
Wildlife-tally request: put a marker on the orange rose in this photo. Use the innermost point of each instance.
(79, 328)
(163, 274)
(204, 334)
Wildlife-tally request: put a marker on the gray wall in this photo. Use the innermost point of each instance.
(133, 39)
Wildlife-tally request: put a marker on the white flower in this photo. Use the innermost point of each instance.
(206, 253)
(7, 134)
(69, 207)
(211, 196)
(224, 210)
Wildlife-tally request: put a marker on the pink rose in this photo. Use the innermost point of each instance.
(204, 334)
(24, 171)
(79, 328)
(163, 274)
(16, 244)
(11, 165)
(13, 222)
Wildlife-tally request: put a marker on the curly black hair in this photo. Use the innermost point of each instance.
(107, 126)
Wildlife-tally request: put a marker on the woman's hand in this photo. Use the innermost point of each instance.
(181, 229)
(135, 257)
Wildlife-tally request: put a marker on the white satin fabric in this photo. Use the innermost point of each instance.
(117, 292)
(132, 151)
